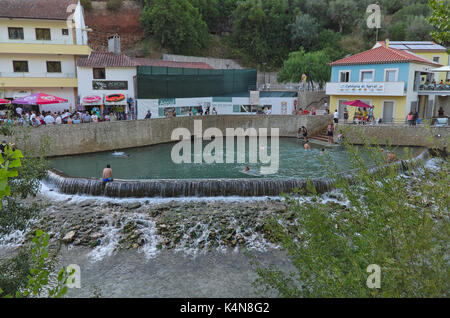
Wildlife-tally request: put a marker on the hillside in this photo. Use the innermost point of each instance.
(124, 22)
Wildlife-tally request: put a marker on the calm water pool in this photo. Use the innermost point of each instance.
(155, 162)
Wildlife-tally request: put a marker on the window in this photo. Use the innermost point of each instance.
(54, 67)
(344, 76)
(15, 33)
(367, 76)
(43, 34)
(99, 73)
(20, 66)
(65, 31)
(391, 76)
(437, 59)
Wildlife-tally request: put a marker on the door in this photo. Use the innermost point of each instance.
(388, 112)
(341, 108)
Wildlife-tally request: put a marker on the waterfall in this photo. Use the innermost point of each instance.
(165, 188)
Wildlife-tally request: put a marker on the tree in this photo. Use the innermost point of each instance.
(259, 31)
(176, 24)
(397, 31)
(114, 5)
(314, 65)
(209, 12)
(330, 42)
(303, 31)
(440, 20)
(343, 12)
(87, 5)
(418, 29)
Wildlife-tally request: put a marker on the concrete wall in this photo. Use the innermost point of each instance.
(218, 64)
(398, 135)
(107, 136)
(318, 98)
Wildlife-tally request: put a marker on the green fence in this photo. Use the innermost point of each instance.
(167, 82)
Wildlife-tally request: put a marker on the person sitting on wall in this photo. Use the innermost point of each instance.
(149, 115)
(107, 174)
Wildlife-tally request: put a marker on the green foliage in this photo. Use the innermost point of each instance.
(114, 5)
(10, 161)
(343, 13)
(303, 31)
(315, 65)
(176, 24)
(260, 30)
(440, 20)
(397, 31)
(39, 274)
(209, 11)
(418, 29)
(87, 5)
(398, 222)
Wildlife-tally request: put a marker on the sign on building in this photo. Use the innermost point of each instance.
(254, 97)
(362, 87)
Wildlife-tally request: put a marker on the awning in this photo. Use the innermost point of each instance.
(91, 100)
(441, 69)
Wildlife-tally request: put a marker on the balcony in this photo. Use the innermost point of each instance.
(367, 88)
(26, 80)
(434, 89)
(44, 48)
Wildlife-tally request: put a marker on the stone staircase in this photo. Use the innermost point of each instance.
(322, 136)
(322, 139)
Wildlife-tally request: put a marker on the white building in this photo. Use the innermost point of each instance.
(39, 43)
(105, 74)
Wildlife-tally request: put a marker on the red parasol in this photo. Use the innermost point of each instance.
(4, 101)
(39, 99)
(357, 103)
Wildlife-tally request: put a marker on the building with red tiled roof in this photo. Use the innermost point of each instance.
(426, 49)
(383, 55)
(36, 9)
(394, 81)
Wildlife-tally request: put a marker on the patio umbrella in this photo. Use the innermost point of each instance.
(357, 103)
(39, 99)
(4, 101)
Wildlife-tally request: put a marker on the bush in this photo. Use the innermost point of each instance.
(399, 222)
(87, 4)
(114, 5)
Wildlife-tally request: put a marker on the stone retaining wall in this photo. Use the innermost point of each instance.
(397, 135)
(107, 136)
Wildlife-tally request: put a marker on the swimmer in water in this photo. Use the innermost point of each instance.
(306, 145)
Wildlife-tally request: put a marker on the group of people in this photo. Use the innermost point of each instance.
(360, 116)
(36, 119)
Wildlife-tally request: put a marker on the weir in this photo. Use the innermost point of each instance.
(165, 188)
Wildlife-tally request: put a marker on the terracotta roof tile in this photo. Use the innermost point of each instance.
(106, 59)
(382, 55)
(36, 9)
